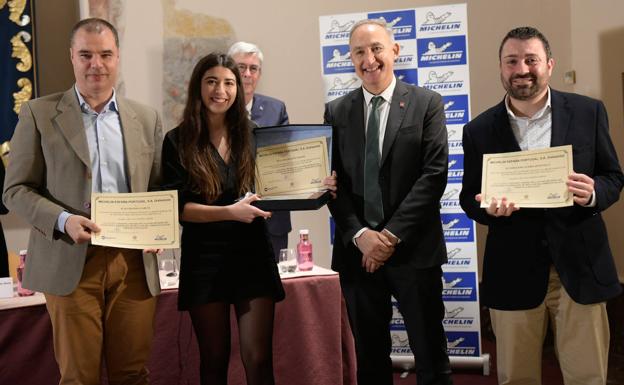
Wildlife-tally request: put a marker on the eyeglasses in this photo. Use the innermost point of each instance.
(253, 69)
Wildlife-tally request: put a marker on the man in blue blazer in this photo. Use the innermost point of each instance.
(545, 265)
(266, 112)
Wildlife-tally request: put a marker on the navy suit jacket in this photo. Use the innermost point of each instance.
(412, 176)
(266, 112)
(521, 248)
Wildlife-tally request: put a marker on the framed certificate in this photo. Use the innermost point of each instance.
(291, 163)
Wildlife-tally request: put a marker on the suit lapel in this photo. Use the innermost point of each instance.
(502, 129)
(256, 108)
(131, 129)
(357, 138)
(69, 122)
(400, 104)
(560, 118)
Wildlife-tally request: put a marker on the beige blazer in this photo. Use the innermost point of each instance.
(50, 171)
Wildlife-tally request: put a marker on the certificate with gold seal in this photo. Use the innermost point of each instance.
(291, 163)
(146, 220)
(534, 178)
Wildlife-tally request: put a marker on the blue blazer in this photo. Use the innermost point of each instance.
(265, 112)
(521, 248)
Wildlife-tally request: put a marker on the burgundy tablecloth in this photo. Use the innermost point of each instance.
(312, 342)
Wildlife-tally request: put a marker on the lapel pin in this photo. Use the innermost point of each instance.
(401, 104)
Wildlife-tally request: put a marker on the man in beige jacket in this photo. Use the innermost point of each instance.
(101, 300)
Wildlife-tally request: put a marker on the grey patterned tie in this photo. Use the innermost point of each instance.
(373, 207)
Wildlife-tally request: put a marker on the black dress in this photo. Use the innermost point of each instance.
(224, 261)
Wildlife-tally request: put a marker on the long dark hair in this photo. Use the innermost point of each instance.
(196, 154)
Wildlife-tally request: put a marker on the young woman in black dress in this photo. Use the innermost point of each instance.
(226, 253)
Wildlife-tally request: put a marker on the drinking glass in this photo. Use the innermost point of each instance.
(287, 262)
(168, 272)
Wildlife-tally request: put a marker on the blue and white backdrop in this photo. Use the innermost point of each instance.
(434, 55)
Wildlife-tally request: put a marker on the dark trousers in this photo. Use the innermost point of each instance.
(419, 296)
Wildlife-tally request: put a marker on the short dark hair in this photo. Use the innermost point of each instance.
(94, 25)
(526, 33)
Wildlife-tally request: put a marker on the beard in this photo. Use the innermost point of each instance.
(522, 92)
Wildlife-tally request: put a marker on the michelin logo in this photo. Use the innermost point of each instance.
(441, 51)
(458, 287)
(442, 81)
(450, 199)
(337, 59)
(454, 318)
(342, 86)
(401, 350)
(457, 228)
(455, 146)
(454, 140)
(439, 23)
(401, 22)
(462, 343)
(338, 31)
(456, 109)
(409, 76)
(400, 341)
(456, 259)
(404, 60)
(455, 168)
(397, 323)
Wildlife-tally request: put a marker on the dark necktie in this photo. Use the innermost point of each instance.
(373, 207)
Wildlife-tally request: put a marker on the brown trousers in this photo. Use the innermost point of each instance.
(109, 315)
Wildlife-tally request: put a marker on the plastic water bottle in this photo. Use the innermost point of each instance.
(304, 251)
(22, 292)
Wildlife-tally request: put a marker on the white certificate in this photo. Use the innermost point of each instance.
(136, 220)
(534, 178)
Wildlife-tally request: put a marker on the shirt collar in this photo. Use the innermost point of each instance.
(537, 115)
(111, 105)
(249, 105)
(386, 94)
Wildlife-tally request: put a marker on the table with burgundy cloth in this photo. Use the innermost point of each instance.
(312, 343)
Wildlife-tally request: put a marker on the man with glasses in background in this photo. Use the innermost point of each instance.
(265, 111)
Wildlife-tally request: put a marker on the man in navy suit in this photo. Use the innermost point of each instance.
(265, 111)
(545, 266)
(390, 152)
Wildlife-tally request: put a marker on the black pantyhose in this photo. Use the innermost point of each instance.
(255, 324)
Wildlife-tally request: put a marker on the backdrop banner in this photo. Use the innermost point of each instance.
(433, 55)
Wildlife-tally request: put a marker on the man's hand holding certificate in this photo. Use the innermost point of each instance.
(136, 220)
(534, 178)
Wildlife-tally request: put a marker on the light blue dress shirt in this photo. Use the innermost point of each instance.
(106, 150)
